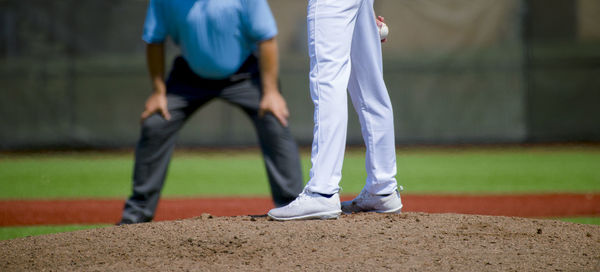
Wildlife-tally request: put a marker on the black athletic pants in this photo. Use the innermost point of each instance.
(187, 92)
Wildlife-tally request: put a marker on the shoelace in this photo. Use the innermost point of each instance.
(304, 195)
(362, 195)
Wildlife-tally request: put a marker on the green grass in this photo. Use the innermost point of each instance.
(17, 232)
(500, 171)
(64, 175)
(582, 220)
(456, 171)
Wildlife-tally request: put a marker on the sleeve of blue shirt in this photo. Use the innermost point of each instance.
(259, 21)
(155, 27)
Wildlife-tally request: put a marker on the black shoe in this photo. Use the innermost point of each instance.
(127, 221)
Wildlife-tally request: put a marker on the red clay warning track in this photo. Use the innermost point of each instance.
(98, 211)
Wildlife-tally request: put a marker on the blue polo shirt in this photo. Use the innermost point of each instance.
(215, 36)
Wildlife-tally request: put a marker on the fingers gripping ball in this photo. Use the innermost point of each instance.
(383, 31)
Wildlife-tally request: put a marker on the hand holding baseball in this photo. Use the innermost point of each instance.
(383, 28)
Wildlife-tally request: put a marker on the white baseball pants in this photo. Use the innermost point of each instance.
(345, 53)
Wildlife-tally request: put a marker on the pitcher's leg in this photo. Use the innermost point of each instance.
(330, 28)
(372, 103)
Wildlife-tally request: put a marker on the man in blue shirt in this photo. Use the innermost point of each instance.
(218, 41)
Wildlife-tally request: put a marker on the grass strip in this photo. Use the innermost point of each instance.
(197, 174)
(582, 220)
(7, 233)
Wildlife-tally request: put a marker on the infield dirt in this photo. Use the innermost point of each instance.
(357, 242)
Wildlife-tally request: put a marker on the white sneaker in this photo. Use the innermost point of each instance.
(367, 202)
(309, 205)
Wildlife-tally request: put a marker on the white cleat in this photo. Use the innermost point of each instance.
(367, 202)
(309, 205)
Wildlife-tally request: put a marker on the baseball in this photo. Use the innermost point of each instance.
(383, 31)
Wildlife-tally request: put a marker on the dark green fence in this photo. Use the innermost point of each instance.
(72, 73)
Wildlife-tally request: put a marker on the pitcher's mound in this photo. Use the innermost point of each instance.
(358, 242)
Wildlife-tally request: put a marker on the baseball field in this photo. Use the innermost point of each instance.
(515, 208)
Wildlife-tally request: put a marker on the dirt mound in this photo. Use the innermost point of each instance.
(365, 242)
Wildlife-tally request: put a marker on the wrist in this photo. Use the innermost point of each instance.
(159, 90)
(270, 91)
(270, 87)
